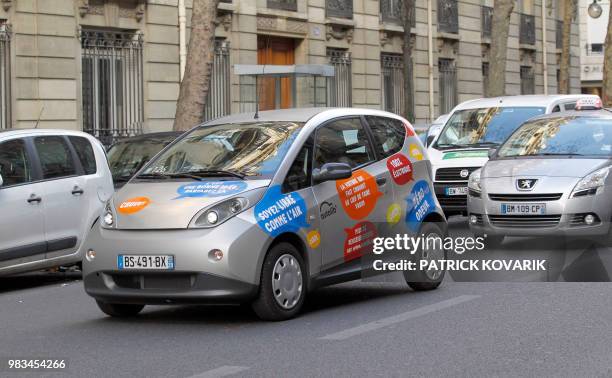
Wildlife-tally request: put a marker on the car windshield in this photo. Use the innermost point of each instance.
(235, 150)
(484, 126)
(563, 136)
(127, 157)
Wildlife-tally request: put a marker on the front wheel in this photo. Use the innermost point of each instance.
(282, 287)
(428, 279)
(119, 310)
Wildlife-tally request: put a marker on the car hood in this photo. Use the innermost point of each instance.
(554, 167)
(172, 204)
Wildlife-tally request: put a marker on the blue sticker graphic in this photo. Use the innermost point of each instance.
(211, 189)
(420, 204)
(277, 212)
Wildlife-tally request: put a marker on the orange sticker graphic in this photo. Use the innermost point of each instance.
(358, 194)
(359, 240)
(415, 152)
(133, 205)
(314, 238)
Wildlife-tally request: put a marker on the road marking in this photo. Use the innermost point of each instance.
(222, 371)
(381, 323)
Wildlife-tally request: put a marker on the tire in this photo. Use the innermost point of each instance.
(494, 241)
(282, 286)
(420, 280)
(119, 310)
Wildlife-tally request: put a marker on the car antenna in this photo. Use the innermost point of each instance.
(39, 117)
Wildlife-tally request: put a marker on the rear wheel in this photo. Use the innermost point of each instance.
(119, 310)
(430, 279)
(282, 287)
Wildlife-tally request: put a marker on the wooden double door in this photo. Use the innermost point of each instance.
(275, 92)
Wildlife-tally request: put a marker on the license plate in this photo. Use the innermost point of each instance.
(159, 262)
(457, 191)
(523, 209)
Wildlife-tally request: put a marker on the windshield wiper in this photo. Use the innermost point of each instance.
(152, 176)
(216, 172)
(452, 145)
(183, 175)
(486, 144)
(556, 154)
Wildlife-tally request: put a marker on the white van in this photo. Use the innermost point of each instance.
(473, 128)
(53, 186)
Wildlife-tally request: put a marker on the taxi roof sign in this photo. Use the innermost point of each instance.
(589, 103)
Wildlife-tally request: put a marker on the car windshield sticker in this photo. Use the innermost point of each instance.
(400, 168)
(277, 212)
(465, 154)
(415, 152)
(359, 240)
(211, 189)
(133, 205)
(358, 194)
(314, 239)
(420, 204)
(394, 214)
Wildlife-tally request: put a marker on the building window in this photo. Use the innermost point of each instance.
(218, 100)
(290, 5)
(559, 34)
(527, 30)
(448, 16)
(486, 15)
(392, 72)
(447, 82)
(112, 84)
(5, 76)
(340, 86)
(527, 80)
(339, 8)
(595, 48)
(393, 11)
(485, 79)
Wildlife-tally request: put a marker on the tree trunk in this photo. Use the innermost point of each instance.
(408, 13)
(196, 81)
(500, 26)
(564, 66)
(607, 69)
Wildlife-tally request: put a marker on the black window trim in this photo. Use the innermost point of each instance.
(79, 166)
(367, 131)
(309, 144)
(31, 160)
(75, 160)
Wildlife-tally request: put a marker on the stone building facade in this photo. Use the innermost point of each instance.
(113, 67)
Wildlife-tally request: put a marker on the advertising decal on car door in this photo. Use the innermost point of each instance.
(277, 213)
(420, 204)
(359, 240)
(358, 194)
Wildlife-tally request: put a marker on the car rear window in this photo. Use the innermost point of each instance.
(389, 134)
(55, 157)
(85, 153)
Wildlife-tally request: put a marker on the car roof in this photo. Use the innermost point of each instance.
(523, 100)
(297, 115)
(602, 113)
(30, 132)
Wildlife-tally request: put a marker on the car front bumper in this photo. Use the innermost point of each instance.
(196, 278)
(567, 210)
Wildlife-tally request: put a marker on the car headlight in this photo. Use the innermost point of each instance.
(108, 217)
(590, 183)
(219, 213)
(474, 181)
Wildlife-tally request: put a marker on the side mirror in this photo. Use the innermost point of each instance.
(492, 152)
(332, 172)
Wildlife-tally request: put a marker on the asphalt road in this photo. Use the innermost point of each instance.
(357, 329)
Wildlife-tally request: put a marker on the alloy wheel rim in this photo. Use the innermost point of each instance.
(431, 254)
(287, 281)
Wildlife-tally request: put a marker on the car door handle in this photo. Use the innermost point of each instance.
(76, 191)
(34, 198)
(381, 181)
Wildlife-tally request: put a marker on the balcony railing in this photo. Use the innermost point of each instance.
(486, 20)
(289, 5)
(527, 30)
(448, 16)
(339, 8)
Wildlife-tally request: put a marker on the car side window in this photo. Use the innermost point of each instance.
(298, 176)
(570, 106)
(15, 166)
(556, 109)
(85, 153)
(343, 141)
(55, 157)
(389, 134)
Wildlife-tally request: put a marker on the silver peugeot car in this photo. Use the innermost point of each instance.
(551, 176)
(262, 209)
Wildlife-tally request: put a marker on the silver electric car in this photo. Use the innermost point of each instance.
(550, 177)
(262, 209)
